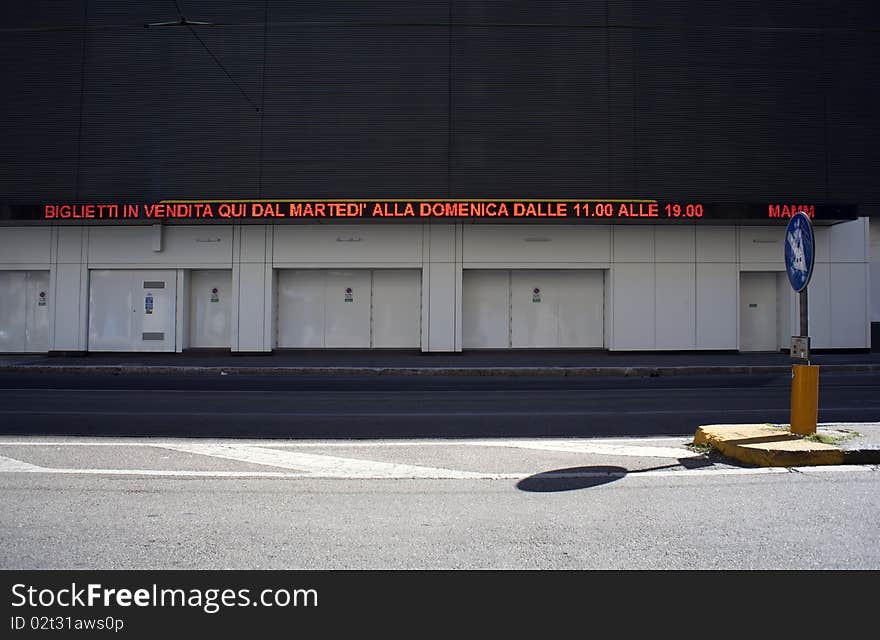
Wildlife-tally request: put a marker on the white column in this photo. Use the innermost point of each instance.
(441, 287)
(252, 289)
(69, 284)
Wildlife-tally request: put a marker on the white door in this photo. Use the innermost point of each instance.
(132, 310)
(536, 308)
(553, 309)
(157, 319)
(485, 309)
(758, 318)
(534, 302)
(37, 312)
(301, 308)
(13, 311)
(396, 316)
(111, 310)
(581, 308)
(347, 309)
(209, 293)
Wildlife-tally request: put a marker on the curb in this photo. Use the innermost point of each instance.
(430, 371)
(765, 445)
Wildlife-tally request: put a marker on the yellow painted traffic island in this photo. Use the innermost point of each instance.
(766, 445)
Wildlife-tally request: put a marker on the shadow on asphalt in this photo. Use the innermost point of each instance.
(574, 478)
(571, 479)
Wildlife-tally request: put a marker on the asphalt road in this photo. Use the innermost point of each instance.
(699, 519)
(503, 493)
(410, 406)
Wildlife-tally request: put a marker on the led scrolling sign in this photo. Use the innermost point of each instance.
(586, 210)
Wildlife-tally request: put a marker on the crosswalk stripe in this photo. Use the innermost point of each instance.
(314, 464)
(11, 464)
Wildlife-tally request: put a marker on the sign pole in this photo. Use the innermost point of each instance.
(799, 260)
(805, 318)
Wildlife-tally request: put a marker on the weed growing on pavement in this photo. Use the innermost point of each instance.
(827, 438)
(704, 449)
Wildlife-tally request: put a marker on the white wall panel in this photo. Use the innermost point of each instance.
(822, 249)
(633, 312)
(252, 242)
(347, 244)
(788, 323)
(717, 309)
(210, 299)
(762, 244)
(25, 245)
(181, 245)
(875, 270)
(716, 244)
(674, 244)
(72, 245)
(441, 288)
(253, 310)
(819, 292)
(848, 242)
(485, 309)
(676, 306)
(397, 308)
(849, 314)
(633, 244)
(526, 243)
(441, 241)
(69, 291)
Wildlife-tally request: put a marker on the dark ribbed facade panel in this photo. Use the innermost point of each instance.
(317, 13)
(356, 112)
(570, 13)
(163, 120)
(522, 128)
(745, 14)
(732, 101)
(853, 82)
(39, 114)
(726, 113)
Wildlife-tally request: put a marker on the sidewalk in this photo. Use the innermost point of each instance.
(388, 362)
(773, 445)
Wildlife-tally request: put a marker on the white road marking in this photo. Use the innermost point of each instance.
(11, 464)
(319, 465)
(301, 465)
(685, 473)
(602, 449)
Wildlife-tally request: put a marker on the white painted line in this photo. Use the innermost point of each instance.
(313, 464)
(602, 449)
(280, 475)
(11, 464)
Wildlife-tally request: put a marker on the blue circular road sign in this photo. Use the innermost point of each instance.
(799, 256)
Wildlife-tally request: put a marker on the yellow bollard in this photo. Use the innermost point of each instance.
(804, 398)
